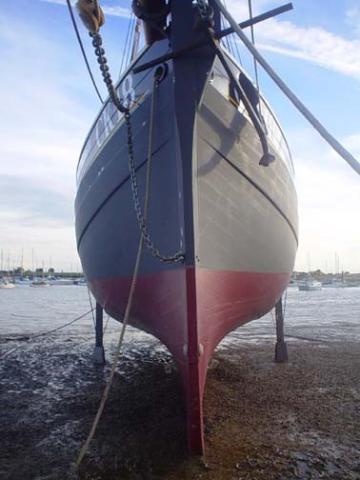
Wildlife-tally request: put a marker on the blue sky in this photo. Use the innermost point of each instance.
(47, 105)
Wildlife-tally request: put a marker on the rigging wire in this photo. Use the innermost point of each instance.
(136, 41)
(253, 42)
(125, 46)
(330, 139)
(48, 332)
(235, 48)
(83, 50)
(131, 40)
(238, 56)
(225, 40)
(254, 60)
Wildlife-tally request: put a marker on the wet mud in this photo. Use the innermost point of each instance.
(299, 420)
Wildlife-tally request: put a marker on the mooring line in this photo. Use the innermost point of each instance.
(43, 334)
(91, 305)
(106, 391)
(308, 339)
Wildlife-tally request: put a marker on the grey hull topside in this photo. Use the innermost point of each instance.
(209, 197)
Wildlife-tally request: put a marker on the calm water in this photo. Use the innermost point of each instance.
(328, 314)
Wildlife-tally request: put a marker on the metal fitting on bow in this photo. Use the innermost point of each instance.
(91, 14)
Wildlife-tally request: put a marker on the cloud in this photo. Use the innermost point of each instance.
(313, 44)
(240, 10)
(35, 202)
(114, 11)
(117, 11)
(46, 113)
(329, 198)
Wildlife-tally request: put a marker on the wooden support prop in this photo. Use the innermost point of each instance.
(218, 35)
(99, 352)
(286, 90)
(281, 354)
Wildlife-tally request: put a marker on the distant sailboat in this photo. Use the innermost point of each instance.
(309, 284)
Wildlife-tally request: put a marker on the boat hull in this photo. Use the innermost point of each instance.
(234, 220)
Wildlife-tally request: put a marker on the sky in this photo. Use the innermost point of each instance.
(47, 105)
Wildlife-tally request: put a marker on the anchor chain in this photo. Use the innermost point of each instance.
(178, 256)
(104, 67)
(125, 110)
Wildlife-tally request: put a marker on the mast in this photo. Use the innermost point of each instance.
(153, 14)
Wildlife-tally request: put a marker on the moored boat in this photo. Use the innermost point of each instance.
(23, 281)
(4, 283)
(39, 282)
(309, 284)
(61, 281)
(221, 220)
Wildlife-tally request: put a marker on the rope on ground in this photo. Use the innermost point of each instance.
(105, 394)
(43, 334)
(83, 50)
(308, 339)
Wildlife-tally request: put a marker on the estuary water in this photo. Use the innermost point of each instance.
(327, 314)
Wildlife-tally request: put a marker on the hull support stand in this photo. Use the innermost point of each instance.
(99, 352)
(281, 354)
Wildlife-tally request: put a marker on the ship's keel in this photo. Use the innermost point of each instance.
(190, 310)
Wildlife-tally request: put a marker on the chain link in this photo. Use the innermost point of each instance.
(100, 53)
(102, 61)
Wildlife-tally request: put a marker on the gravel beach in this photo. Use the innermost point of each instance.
(263, 420)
